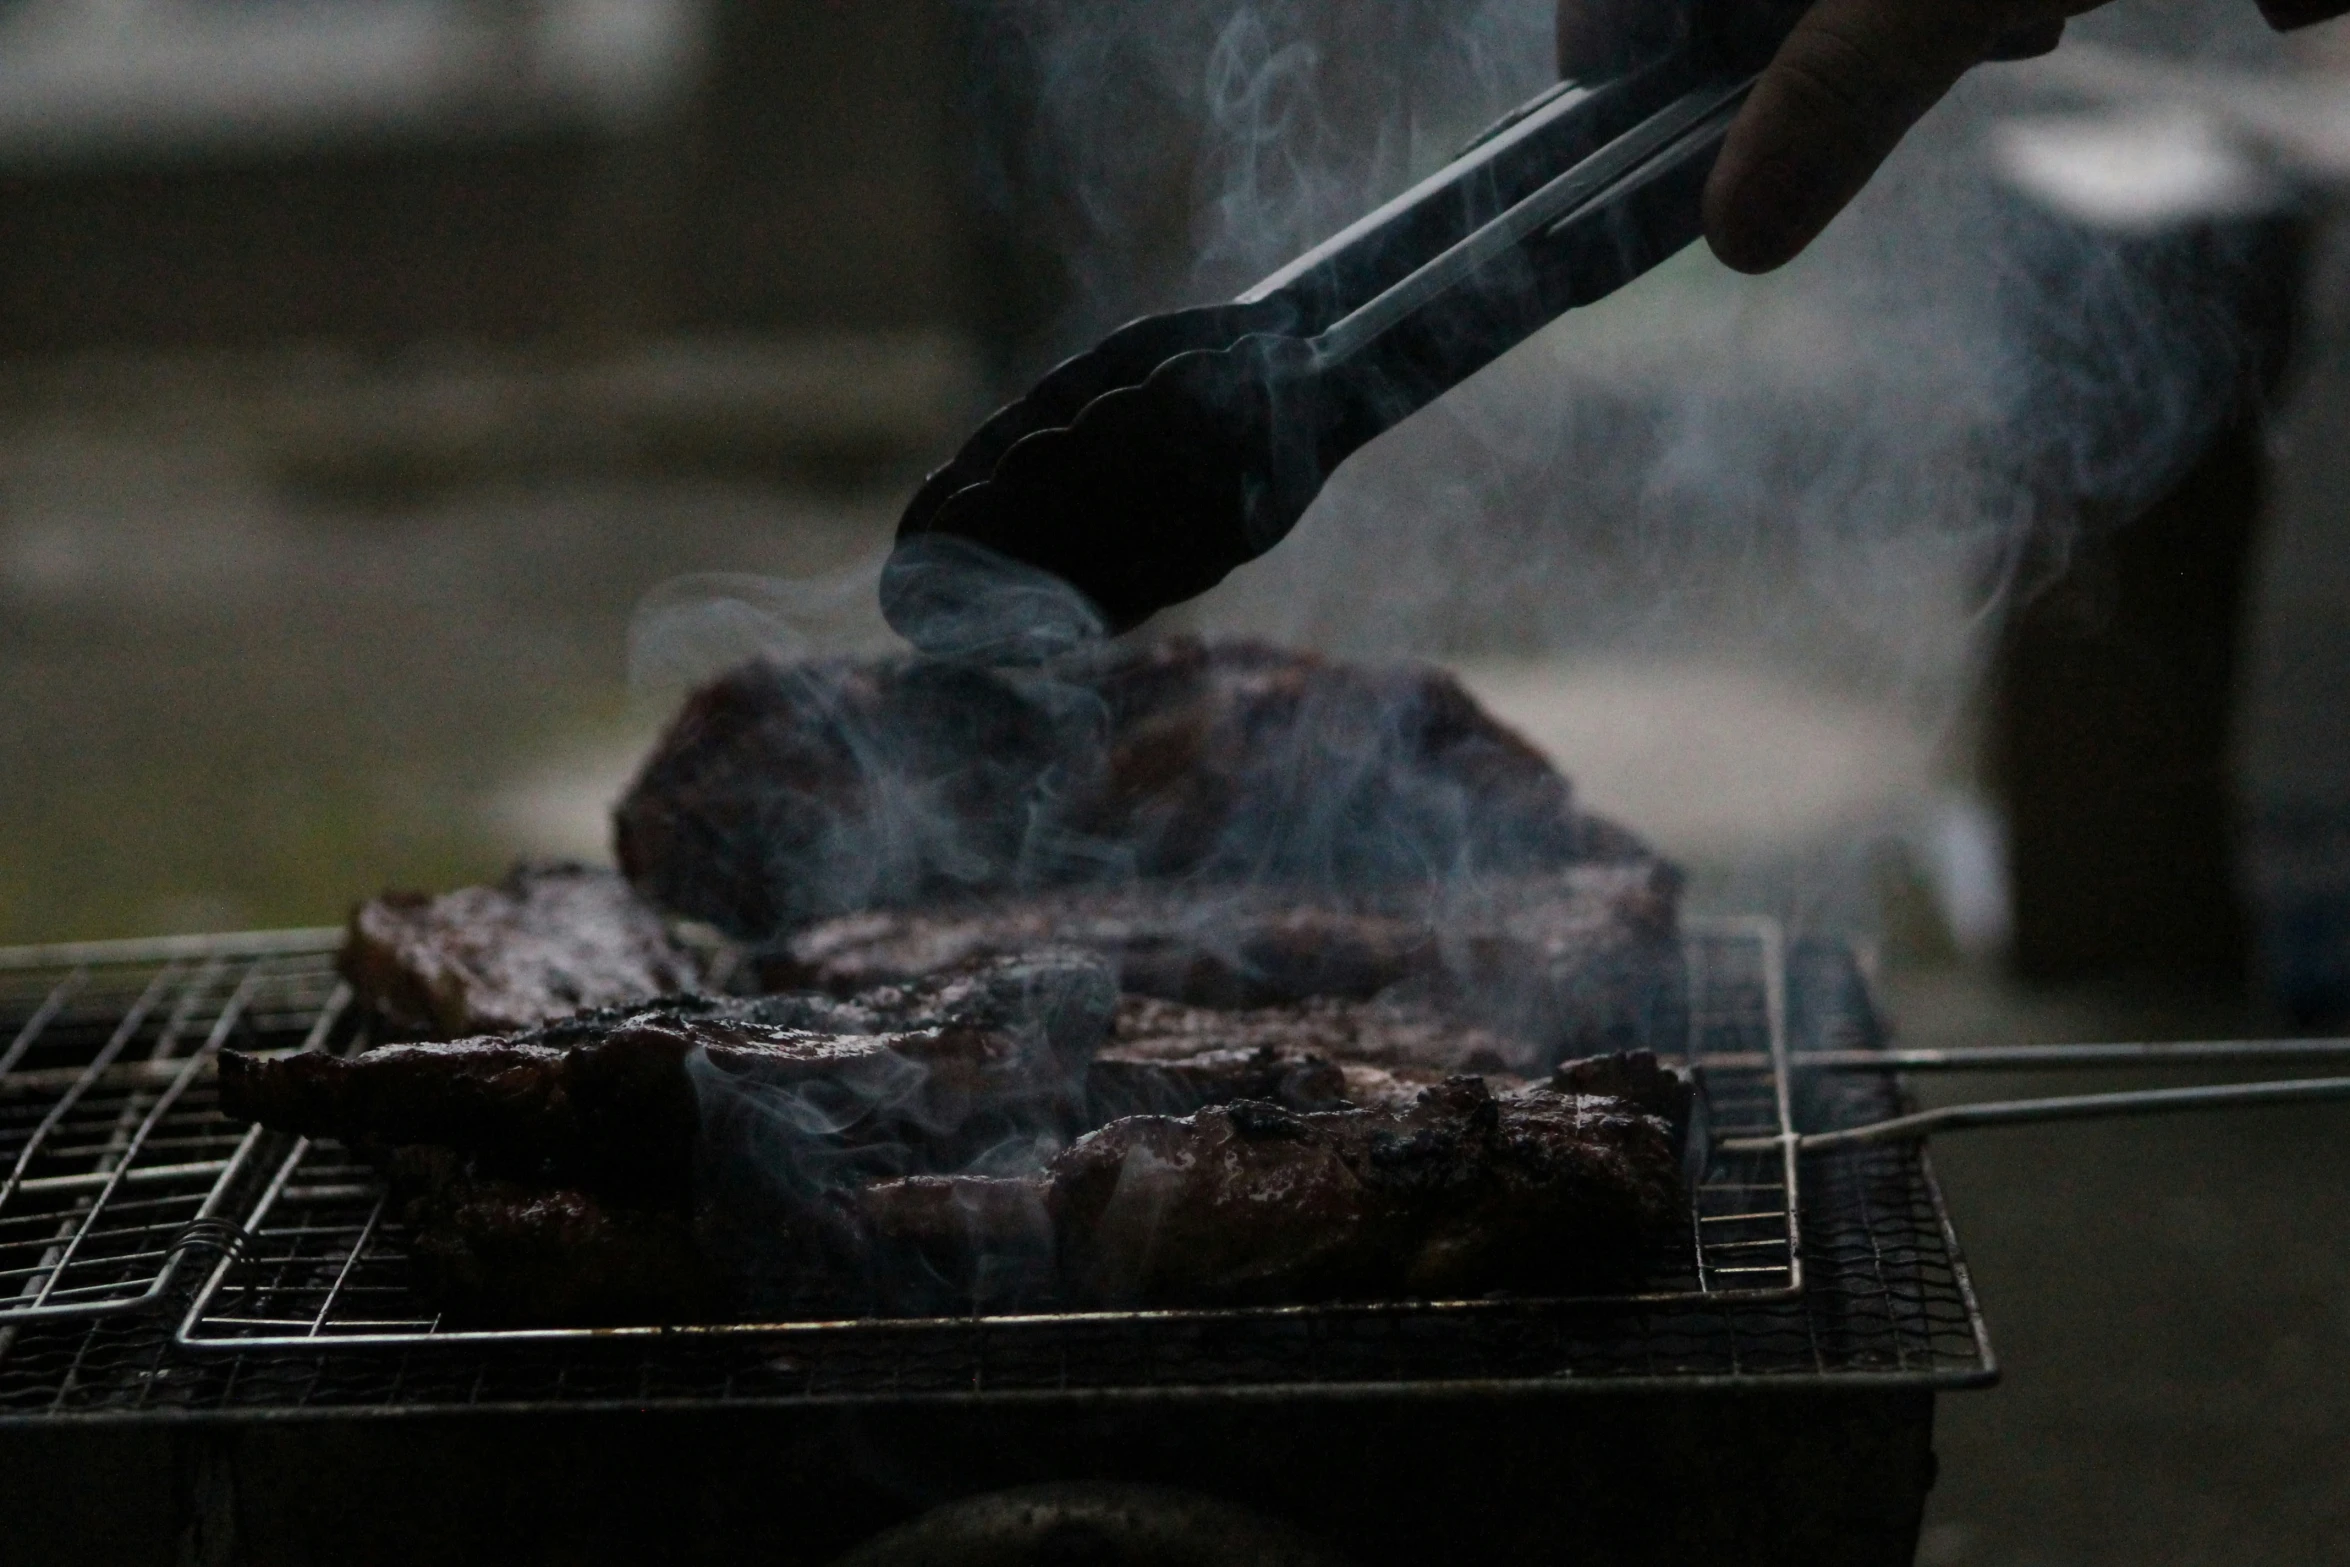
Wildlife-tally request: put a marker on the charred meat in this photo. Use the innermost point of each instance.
(620, 1114)
(787, 794)
(541, 944)
(1575, 962)
(1167, 1058)
(500, 1253)
(1463, 1193)
(1459, 1193)
(1064, 996)
(612, 1099)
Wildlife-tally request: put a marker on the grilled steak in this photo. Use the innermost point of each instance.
(496, 1253)
(542, 944)
(1635, 1076)
(1166, 1058)
(1376, 1033)
(612, 1098)
(1575, 962)
(1457, 1192)
(1460, 1194)
(956, 1242)
(785, 794)
(619, 1114)
(1448, 1190)
(1065, 996)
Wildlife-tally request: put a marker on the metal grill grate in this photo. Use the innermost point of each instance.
(324, 1258)
(1889, 1305)
(115, 1166)
(1884, 1301)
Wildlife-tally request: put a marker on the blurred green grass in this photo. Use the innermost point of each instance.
(229, 697)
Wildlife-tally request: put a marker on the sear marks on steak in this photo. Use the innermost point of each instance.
(1235, 948)
(1639, 1079)
(1167, 1058)
(784, 794)
(545, 942)
(497, 1253)
(1459, 1195)
(1063, 996)
(612, 1098)
(1576, 962)
(1377, 1033)
(1121, 1083)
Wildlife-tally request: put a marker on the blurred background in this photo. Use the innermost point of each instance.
(401, 401)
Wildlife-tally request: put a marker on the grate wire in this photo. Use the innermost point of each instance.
(325, 1259)
(1870, 1287)
(116, 1169)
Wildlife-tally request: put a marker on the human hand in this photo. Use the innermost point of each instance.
(1843, 89)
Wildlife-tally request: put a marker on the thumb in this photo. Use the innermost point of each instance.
(1851, 78)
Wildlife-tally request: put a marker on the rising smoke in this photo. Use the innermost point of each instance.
(1846, 471)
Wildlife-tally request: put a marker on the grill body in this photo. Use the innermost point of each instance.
(1785, 1426)
(1812, 1478)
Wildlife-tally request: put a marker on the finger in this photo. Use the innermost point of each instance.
(2027, 42)
(1850, 79)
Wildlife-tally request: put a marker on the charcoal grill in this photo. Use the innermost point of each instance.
(1767, 1399)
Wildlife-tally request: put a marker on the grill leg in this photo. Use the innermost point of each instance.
(207, 1494)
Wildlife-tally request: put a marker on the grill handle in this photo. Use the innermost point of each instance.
(2032, 1058)
(2067, 1107)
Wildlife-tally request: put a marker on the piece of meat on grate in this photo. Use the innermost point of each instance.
(1574, 962)
(784, 794)
(494, 1253)
(1169, 1058)
(1450, 1190)
(1457, 1192)
(620, 1113)
(543, 943)
(614, 1098)
(1065, 997)
(1458, 1195)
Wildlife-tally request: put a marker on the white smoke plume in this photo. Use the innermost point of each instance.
(1845, 471)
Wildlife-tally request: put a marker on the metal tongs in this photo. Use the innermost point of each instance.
(1183, 445)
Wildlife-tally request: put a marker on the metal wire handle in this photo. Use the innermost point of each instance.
(2065, 1107)
(225, 1237)
(2027, 1058)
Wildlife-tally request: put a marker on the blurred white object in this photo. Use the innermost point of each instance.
(1714, 764)
(2135, 169)
(2170, 141)
(2300, 121)
(1963, 850)
(91, 77)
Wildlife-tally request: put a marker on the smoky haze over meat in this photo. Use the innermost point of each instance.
(1165, 1058)
(543, 943)
(496, 1252)
(614, 1101)
(1174, 973)
(1460, 1193)
(910, 1148)
(1575, 962)
(788, 793)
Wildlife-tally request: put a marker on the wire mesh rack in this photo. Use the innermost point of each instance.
(116, 1168)
(1889, 1305)
(1868, 1290)
(323, 1255)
